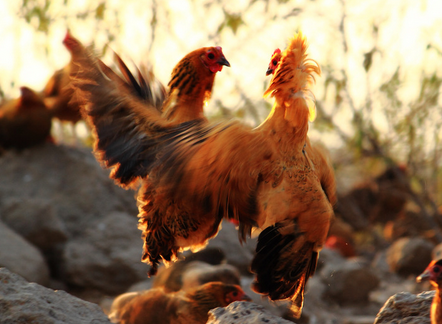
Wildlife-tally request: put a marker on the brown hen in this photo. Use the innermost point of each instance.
(157, 307)
(25, 121)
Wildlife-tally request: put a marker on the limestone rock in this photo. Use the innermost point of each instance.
(108, 257)
(349, 282)
(68, 178)
(36, 221)
(23, 302)
(21, 257)
(409, 256)
(406, 308)
(243, 313)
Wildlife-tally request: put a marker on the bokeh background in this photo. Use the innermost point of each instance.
(378, 98)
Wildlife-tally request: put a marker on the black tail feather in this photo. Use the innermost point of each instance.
(283, 264)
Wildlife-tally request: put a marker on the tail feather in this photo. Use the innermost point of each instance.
(283, 263)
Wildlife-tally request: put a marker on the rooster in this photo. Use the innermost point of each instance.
(269, 177)
(156, 306)
(25, 121)
(433, 273)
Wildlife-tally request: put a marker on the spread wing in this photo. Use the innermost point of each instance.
(125, 122)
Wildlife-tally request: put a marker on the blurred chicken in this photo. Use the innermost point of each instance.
(196, 273)
(269, 177)
(376, 201)
(433, 273)
(171, 278)
(157, 307)
(58, 94)
(340, 245)
(24, 122)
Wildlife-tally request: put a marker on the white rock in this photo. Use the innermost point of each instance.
(406, 308)
(243, 313)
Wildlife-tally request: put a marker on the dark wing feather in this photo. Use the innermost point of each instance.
(144, 87)
(125, 127)
(283, 263)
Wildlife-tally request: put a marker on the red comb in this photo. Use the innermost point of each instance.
(67, 37)
(70, 42)
(277, 51)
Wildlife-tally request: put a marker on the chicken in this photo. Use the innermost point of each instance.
(57, 92)
(433, 273)
(340, 245)
(269, 177)
(171, 278)
(25, 121)
(196, 273)
(120, 119)
(157, 307)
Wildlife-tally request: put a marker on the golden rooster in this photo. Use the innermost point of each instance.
(158, 307)
(433, 273)
(269, 177)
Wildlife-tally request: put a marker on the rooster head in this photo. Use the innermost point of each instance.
(433, 273)
(214, 59)
(274, 62)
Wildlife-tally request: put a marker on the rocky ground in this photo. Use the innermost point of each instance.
(67, 230)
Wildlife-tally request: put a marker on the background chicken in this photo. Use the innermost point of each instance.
(197, 268)
(25, 121)
(58, 94)
(433, 273)
(269, 177)
(156, 306)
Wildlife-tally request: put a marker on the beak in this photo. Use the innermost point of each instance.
(246, 298)
(269, 71)
(423, 276)
(223, 61)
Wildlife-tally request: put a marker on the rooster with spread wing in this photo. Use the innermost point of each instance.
(125, 122)
(269, 177)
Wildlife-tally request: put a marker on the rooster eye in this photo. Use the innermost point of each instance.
(235, 294)
(211, 56)
(436, 269)
(275, 62)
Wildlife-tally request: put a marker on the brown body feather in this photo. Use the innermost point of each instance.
(156, 306)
